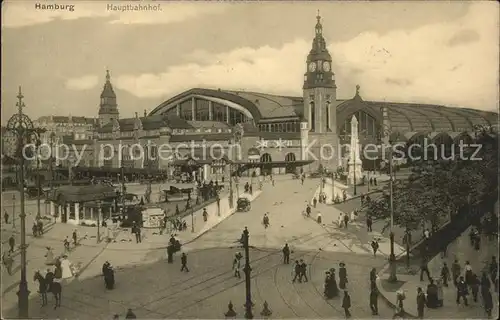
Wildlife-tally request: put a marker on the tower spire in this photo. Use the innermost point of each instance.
(108, 77)
(319, 27)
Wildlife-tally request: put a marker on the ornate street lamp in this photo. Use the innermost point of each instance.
(237, 134)
(247, 269)
(22, 126)
(392, 258)
(13, 211)
(99, 204)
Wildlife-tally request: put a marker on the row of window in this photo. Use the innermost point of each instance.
(280, 127)
(201, 112)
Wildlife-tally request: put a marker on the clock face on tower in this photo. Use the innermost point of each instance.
(326, 66)
(312, 66)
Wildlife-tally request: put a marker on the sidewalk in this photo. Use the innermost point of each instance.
(80, 255)
(459, 249)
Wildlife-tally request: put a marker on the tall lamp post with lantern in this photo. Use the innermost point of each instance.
(237, 134)
(387, 132)
(25, 132)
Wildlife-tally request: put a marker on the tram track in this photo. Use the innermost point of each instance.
(310, 281)
(328, 301)
(219, 275)
(274, 253)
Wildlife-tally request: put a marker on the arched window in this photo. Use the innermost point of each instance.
(313, 119)
(266, 157)
(290, 157)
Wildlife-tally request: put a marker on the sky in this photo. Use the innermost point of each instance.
(425, 52)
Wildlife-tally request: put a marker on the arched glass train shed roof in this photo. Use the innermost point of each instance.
(403, 117)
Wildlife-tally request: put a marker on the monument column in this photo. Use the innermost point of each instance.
(354, 163)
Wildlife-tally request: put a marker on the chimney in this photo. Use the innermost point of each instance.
(145, 114)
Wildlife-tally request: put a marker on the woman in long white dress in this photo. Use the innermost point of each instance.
(66, 268)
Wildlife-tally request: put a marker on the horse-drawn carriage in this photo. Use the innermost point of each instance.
(243, 204)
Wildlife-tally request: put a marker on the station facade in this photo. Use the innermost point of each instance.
(273, 132)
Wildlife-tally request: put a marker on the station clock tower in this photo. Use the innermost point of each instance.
(320, 95)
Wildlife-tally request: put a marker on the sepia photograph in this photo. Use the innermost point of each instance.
(249, 159)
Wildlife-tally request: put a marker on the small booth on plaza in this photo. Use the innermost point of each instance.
(82, 204)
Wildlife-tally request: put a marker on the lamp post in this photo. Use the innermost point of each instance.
(218, 203)
(98, 202)
(247, 269)
(22, 126)
(37, 150)
(51, 164)
(237, 134)
(13, 211)
(192, 220)
(123, 189)
(367, 181)
(392, 257)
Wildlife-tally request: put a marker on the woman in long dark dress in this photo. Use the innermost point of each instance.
(342, 276)
(327, 285)
(334, 290)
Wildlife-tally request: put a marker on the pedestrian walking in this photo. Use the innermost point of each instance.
(374, 181)
(421, 302)
(485, 283)
(374, 300)
(184, 262)
(494, 272)
(138, 237)
(342, 276)
(66, 244)
(319, 218)
(297, 271)
(346, 220)
(462, 291)
(308, 210)
(373, 276)
(346, 304)
(303, 271)
(424, 269)
(286, 254)
(75, 238)
(315, 201)
(237, 264)
(474, 286)
(488, 303)
(468, 273)
(205, 214)
(374, 247)
(7, 261)
(440, 294)
(369, 223)
(12, 243)
(400, 311)
(341, 219)
(5, 216)
(455, 271)
(445, 274)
